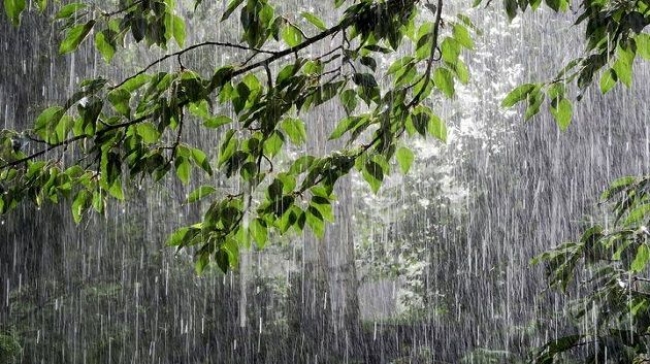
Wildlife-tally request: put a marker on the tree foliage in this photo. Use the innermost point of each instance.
(131, 128)
(127, 129)
(612, 266)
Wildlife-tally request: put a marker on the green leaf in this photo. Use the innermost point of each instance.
(75, 36)
(202, 262)
(183, 168)
(201, 160)
(200, 192)
(562, 113)
(70, 9)
(314, 20)
(641, 259)
(216, 122)
(444, 80)
(63, 127)
(14, 8)
(273, 144)
(511, 8)
(617, 186)
(623, 66)
(643, 45)
(291, 36)
(47, 121)
(450, 50)
(275, 189)
(135, 83)
(535, 100)
(259, 232)
(312, 67)
(120, 99)
(148, 132)
(461, 71)
(348, 100)
(295, 129)
(518, 94)
(461, 34)
(637, 215)
(105, 46)
(301, 164)
(80, 204)
(116, 189)
(177, 26)
(177, 238)
(557, 5)
(373, 173)
(400, 65)
(405, 159)
(437, 128)
(228, 146)
(343, 126)
(365, 80)
(315, 221)
(608, 80)
(232, 6)
(42, 5)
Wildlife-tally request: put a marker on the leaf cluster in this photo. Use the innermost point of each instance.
(107, 135)
(615, 263)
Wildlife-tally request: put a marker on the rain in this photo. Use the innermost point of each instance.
(433, 268)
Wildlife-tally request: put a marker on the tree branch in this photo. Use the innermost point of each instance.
(434, 46)
(191, 48)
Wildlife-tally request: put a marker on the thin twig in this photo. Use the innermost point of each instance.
(190, 48)
(434, 47)
(118, 11)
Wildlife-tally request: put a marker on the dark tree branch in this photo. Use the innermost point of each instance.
(189, 49)
(432, 56)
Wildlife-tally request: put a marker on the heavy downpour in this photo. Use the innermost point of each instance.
(339, 181)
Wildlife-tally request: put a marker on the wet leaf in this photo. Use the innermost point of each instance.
(148, 132)
(259, 232)
(641, 258)
(80, 204)
(462, 36)
(177, 25)
(69, 9)
(291, 36)
(373, 173)
(444, 80)
(216, 122)
(348, 100)
(75, 36)
(295, 130)
(314, 20)
(438, 128)
(183, 169)
(643, 45)
(105, 45)
(562, 113)
(232, 6)
(405, 159)
(518, 94)
(14, 8)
